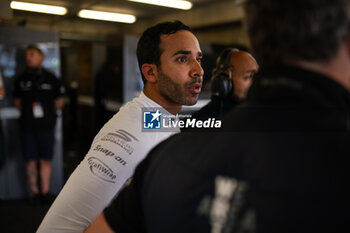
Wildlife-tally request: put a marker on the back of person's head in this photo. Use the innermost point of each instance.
(148, 50)
(232, 76)
(223, 60)
(284, 31)
(221, 83)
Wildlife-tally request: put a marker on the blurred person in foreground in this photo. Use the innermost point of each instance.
(279, 164)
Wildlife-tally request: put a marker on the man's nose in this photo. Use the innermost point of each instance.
(197, 70)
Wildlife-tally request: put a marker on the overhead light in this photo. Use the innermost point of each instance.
(107, 16)
(179, 4)
(48, 9)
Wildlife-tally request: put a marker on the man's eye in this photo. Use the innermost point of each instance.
(199, 60)
(182, 59)
(249, 77)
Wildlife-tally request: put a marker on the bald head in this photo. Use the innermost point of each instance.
(243, 66)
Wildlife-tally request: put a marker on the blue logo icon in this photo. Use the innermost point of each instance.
(152, 119)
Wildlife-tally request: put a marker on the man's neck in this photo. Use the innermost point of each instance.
(338, 69)
(159, 99)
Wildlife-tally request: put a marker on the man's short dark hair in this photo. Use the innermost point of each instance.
(310, 30)
(148, 50)
(36, 48)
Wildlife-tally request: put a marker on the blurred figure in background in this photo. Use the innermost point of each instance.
(230, 83)
(38, 94)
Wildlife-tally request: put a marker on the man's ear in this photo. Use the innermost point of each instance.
(150, 72)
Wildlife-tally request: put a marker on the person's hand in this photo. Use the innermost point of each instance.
(17, 103)
(99, 225)
(2, 92)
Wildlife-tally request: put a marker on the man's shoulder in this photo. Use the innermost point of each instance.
(185, 148)
(209, 110)
(49, 74)
(131, 108)
(129, 117)
(135, 106)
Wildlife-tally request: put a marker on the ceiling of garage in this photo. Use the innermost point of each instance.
(140, 10)
(203, 14)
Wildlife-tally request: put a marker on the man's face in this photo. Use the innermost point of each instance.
(180, 74)
(244, 68)
(33, 58)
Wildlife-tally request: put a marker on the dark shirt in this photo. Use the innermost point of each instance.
(216, 108)
(37, 86)
(279, 165)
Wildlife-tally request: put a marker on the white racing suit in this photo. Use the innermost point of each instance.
(115, 152)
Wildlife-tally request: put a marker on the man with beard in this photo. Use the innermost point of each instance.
(169, 58)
